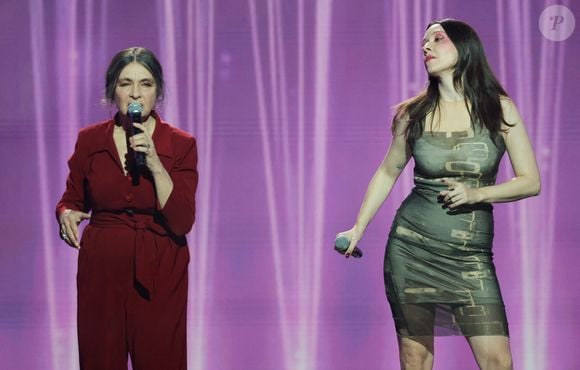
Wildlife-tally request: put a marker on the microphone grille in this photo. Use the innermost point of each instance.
(135, 108)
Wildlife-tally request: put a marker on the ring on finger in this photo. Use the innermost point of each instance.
(63, 235)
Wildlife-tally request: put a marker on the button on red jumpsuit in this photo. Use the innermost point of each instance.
(132, 265)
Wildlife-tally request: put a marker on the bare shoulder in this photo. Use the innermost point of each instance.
(514, 132)
(400, 123)
(510, 113)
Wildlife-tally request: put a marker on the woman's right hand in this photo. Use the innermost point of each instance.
(354, 235)
(69, 221)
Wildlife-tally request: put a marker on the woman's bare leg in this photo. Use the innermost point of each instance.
(492, 352)
(416, 353)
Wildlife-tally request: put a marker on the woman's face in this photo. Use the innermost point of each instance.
(438, 50)
(135, 84)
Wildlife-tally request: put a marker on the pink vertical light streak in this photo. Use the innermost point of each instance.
(38, 50)
(168, 55)
(547, 137)
(270, 186)
(301, 122)
(201, 96)
(323, 29)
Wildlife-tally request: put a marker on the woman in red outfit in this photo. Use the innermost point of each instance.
(133, 255)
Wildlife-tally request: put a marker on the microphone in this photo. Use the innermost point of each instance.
(341, 245)
(135, 110)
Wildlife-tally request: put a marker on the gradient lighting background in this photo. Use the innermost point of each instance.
(290, 102)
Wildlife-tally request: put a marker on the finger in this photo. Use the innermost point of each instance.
(353, 243)
(66, 240)
(138, 139)
(457, 202)
(144, 147)
(449, 196)
(68, 231)
(450, 183)
(444, 193)
(62, 233)
(140, 148)
(72, 225)
(74, 237)
(454, 196)
(67, 225)
(74, 240)
(70, 243)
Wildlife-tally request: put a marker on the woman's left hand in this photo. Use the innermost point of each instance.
(458, 193)
(143, 142)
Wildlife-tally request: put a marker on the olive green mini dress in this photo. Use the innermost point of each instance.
(439, 273)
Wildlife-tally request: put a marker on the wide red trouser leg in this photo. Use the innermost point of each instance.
(114, 319)
(104, 280)
(157, 328)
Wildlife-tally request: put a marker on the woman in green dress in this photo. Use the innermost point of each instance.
(439, 273)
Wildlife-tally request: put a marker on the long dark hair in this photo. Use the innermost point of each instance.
(141, 55)
(472, 76)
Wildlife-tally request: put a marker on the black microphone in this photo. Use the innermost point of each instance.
(135, 110)
(341, 245)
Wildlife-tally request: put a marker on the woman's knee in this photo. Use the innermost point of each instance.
(492, 352)
(498, 360)
(415, 354)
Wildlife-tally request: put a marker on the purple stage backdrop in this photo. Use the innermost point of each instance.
(290, 101)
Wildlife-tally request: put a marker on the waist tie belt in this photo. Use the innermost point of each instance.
(146, 263)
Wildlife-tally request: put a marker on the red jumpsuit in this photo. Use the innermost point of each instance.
(132, 265)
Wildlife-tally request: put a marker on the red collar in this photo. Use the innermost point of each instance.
(102, 137)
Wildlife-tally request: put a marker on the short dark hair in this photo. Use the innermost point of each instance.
(141, 55)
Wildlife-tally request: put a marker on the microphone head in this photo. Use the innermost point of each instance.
(135, 109)
(342, 243)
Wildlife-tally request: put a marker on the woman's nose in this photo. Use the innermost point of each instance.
(135, 92)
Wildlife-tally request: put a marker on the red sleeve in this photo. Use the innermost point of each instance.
(74, 194)
(179, 210)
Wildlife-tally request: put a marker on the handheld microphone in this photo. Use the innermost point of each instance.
(135, 111)
(341, 245)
